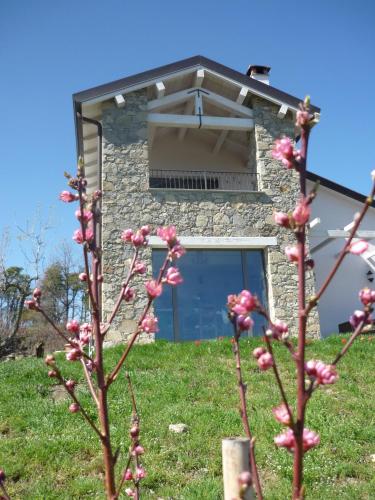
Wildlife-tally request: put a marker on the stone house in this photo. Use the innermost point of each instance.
(189, 144)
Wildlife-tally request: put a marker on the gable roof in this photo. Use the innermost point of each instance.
(145, 78)
(339, 188)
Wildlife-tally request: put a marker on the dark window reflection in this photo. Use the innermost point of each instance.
(197, 308)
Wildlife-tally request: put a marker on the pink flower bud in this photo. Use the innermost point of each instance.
(173, 276)
(134, 431)
(68, 197)
(78, 236)
(145, 230)
(281, 219)
(138, 450)
(244, 303)
(358, 247)
(85, 217)
(32, 305)
(74, 408)
(301, 213)
(244, 323)
(86, 328)
(72, 326)
(138, 239)
(176, 252)
(367, 296)
(140, 473)
(70, 384)
(265, 361)
(291, 253)
(302, 118)
(49, 360)
(168, 234)
(154, 289)
(357, 317)
(286, 439)
(130, 492)
(283, 151)
(150, 324)
(310, 439)
(82, 277)
(323, 374)
(258, 351)
(139, 267)
(128, 294)
(127, 235)
(37, 293)
(74, 355)
(279, 328)
(52, 373)
(128, 475)
(245, 478)
(2, 476)
(96, 194)
(281, 414)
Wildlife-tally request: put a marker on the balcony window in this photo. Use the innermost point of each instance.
(196, 309)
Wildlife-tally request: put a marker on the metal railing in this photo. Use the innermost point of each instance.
(203, 180)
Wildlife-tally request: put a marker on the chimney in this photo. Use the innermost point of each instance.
(260, 73)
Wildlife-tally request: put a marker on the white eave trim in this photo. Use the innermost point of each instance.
(219, 242)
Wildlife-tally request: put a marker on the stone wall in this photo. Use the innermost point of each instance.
(128, 202)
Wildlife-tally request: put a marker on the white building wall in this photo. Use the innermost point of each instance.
(341, 298)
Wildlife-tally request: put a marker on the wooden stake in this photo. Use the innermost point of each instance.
(235, 460)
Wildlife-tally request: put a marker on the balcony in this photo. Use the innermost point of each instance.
(203, 180)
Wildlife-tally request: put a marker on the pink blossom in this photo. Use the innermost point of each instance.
(286, 439)
(130, 492)
(258, 351)
(128, 475)
(72, 326)
(173, 276)
(279, 328)
(70, 384)
(244, 323)
(177, 251)
(134, 431)
(292, 253)
(301, 213)
(358, 317)
(128, 294)
(96, 194)
(244, 303)
(86, 328)
(74, 408)
(265, 361)
(140, 473)
(367, 296)
(358, 247)
(138, 450)
(82, 276)
(127, 235)
(245, 478)
(68, 197)
(138, 239)
(281, 414)
(302, 118)
(52, 373)
(154, 289)
(322, 373)
(145, 230)
(167, 234)
(32, 305)
(150, 324)
(49, 360)
(139, 267)
(74, 354)
(283, 151)
(281, 219)
(37, 293)
(87, 215)
(78, 235)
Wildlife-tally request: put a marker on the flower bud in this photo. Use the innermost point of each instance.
(49, 360)
(128, 475)
(52, 373)
(245, 478)
(37, 293)
(82, 277)
(74, 408)
(70, 384)
(134, 431)
(2, 476)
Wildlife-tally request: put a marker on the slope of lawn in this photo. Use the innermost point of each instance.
(49, 453)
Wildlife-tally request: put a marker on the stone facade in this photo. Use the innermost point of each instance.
(129, 202)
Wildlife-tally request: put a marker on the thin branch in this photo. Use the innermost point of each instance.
(344, 251)
(121, 294)
(354, 335)
(123, 475)
(243, 413)
(278, 380)
(132, 396)
(89, 383)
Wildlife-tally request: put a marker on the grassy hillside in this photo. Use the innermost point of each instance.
(49, 453)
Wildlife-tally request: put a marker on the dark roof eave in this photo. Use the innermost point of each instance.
(337, 187)
(118, 85)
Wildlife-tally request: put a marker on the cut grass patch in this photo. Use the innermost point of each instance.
(49, 453)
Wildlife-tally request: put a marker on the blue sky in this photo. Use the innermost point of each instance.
(49, 50)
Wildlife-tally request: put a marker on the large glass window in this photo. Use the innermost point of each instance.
(196, 309)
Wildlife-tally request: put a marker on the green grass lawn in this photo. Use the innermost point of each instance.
(49, 453)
